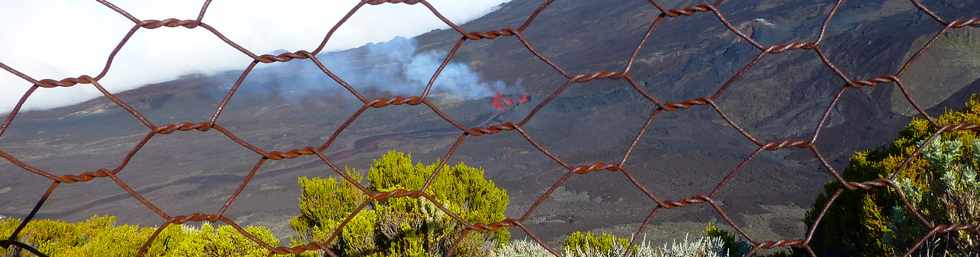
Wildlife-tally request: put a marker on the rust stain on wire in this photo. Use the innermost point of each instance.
(665, 15)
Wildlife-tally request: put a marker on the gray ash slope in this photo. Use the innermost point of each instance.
(683, 153)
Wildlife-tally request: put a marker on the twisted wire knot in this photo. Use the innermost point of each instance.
(283, 57)
(786, 143)
(585, 169)
(599, 75)
(974, 22)
(688, 11)
(685, 202)
(686, 104)
(779, 48)
(946, 228)
(398, 100)
(291, 154)
(507, 32)
(875, 81)
(196, 217)
(183, 126)
(299, 249)
(506, 126)
(381, 196)
(84, 176)
(868, 185)
(170, 23)
(963, 126)
(377, 2)
(779, 243)
(480, 227)
(66, 82)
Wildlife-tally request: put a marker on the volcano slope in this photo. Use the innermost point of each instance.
(682, 154)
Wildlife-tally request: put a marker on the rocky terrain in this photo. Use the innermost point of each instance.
(684, 153)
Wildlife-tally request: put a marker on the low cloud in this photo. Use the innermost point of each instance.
(67, 38)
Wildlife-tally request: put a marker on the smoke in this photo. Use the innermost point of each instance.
(55, 39)
(395, 67)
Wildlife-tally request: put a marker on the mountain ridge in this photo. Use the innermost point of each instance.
(682, 154)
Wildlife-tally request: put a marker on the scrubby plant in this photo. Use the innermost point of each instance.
(942, 183)
(401, 226)
(582, 244)
(604, 245)
(730, 241)
(99, 236)
(521, 248)
(706, 246)
(730, 244)
(220, 241)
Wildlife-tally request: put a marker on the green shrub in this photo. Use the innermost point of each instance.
(942, 183)
(604, 245)
(99, 236)
(401, 226)
(731, 243)
(221, 241)
(578, 243)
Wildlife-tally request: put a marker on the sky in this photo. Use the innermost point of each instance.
(55, 39)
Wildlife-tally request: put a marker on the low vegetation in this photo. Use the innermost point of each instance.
(943, 184)
(587, 244)
(99, 236)
(402, 226)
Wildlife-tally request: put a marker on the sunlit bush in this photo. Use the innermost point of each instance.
(402, 226)
(942, 183)
(99, 236)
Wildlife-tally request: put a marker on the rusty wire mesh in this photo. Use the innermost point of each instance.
(665, 15)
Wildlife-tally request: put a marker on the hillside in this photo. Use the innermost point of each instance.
(684, 153)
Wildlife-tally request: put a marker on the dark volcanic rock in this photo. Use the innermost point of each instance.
(683, 153)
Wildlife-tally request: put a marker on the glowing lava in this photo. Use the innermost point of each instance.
(502, 103)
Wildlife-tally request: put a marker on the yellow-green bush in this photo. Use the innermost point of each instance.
(942, 183)
(99, 236)
(401, 226)
(221, 241)
(578, 243)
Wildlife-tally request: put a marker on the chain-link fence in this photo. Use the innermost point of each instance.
(317, 151)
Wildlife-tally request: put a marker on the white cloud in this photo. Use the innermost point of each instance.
(66, 38)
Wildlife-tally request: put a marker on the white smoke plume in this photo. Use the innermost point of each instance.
(395, 67)
(54, 39)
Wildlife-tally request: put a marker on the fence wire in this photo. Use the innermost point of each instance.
(660, 106)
